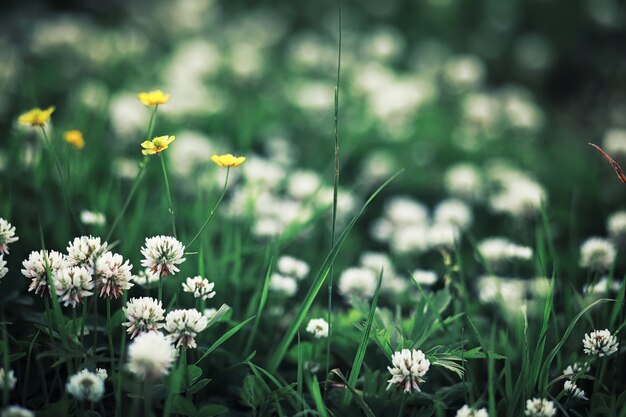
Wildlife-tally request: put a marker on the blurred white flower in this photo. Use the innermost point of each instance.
(36, 268)
(72, 284)
(128, 116)
(600, 343)
(424, 277)
(162, 254)
(102, 373)
(7, 235)
(92, 218)
(7, 379)
(464, 72)
(520, 197)
(17, 411)
(614, 142)
(442, 235)
(464, 180)
(467, 411)
(209, 313)
(288, 265)
(409, 368)
(454, 212)
(145, 278)
(603, 287)
(303, 184)
(318, 327)
(283, 284)
(540, 407)
(498, 250)
(597, 254)
(183, 326)
(193, 150)
(3, 268)
(200, 287)
(144, 314)
(571, 389)
(357, 282)
(85, 386)
(151, 355)
(84, 250)
(384, 44)
(616, 226)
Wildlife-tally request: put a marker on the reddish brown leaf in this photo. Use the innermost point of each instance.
(615, 165)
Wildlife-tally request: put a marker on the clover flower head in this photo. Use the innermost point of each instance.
(209, 313)
(92, 218)
(85, 385)
(571, 389)
(144, 314)
(36, 117)
(156, 145)
(162, 254)
(228, 160)
(7, 379)
(600, 343)
(200, 287)
(84, 251)
(597, 254)
(150, 356)
(577, 367)
(283, 284)
(318, 328)
(74, 138)
(72, 284)
(102, 373)
(359, 282)
(36, 268)
(113, 275)
(3, 268)
(424, 277)
(17, 411)
(288, 265)
(409, 367)
(7, 235)
(183, 326)
(467, 411)
(153, 98)
(145, 278)
(540, 407)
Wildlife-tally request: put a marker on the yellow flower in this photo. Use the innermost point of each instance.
(74, 138)
(156, 145)
(36, 117)
(228, 160)
(153, 98)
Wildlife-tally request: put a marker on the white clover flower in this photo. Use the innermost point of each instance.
(377, 261)
(600, 343)
(411, 239)
(288, 265)
(357, 282)
(464, 180)
(616, 226)
(424, 277)
(113, 275)
(572, 390)
(200, 287)
(3, 267)
(442, 236)
(145, 278)
(144, 314)
(209, 313)
(162, 254)
(7, 379)
(303, 184)
(614, 141)
(183, 326)
(540, 407)
(83, 251)
(318, 327)
(7, 235)
(102, 373)
(464, 72)
(497, 250)
(35, 269)
(150, 356)
(72, 284)
(92, 218)
(597, 254)
(405, 211)
(467, 411)
(409, 366)
(85, 385)
(576, 368)
(17, 411)
(604, 286)
(283, 284)
(520, 197)
(454, 212)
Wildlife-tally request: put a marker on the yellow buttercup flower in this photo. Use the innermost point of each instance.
(228, 160)
(36, 117)
(74, 138)
(156, 145)
(153, 98)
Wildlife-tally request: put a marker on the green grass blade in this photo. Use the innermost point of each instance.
(224, 338)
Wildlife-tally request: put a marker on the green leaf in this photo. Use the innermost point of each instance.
(211, 410)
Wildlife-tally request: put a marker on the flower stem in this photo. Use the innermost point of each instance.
(160, 294)
(169, 195)
(401, 411)
(212, 211)
(138, 178)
